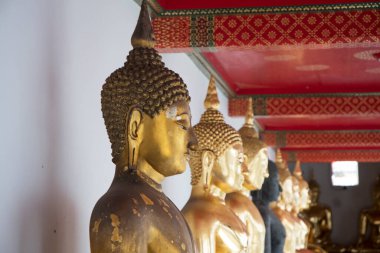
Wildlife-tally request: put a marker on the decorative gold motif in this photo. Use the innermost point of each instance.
(270, 10)
(216, 170)
(146, 112)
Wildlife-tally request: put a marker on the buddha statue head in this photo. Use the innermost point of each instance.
(220, 148)
(255, 168)
(271, 188)
(304, 187)
(146, 110)
(286, 181)
(313, 191)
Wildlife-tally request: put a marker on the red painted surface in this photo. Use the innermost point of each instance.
(295, 140)
(207, 4)
(289, 53)
(332, 155)
(320, 122)
(258, 71)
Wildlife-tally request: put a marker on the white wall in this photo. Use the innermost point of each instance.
(55, 157)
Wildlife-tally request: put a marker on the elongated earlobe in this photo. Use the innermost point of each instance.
(208, 158)
(134, 135)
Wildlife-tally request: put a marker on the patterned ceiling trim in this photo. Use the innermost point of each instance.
(309, 104)
(322, 139)
(261, 10)
(315, 30)
(332, 155)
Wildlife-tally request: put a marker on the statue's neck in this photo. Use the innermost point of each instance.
(245, 192)
(217, 192)
(149, 180)
(121, 175)
(199, 191)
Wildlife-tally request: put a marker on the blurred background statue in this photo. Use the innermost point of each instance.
(274, 230)
(216, 171)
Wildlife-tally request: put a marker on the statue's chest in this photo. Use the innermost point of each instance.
(172, 227)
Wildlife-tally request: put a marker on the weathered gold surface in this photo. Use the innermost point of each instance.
(369, 224)
(283, 206)
(255, 170)
(146, 112)
(216, 170)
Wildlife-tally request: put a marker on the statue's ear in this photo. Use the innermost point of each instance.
(208, 159)
(134, 128)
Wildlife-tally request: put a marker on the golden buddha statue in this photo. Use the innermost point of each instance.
(369, 225)
(304, 204)
(146, 112)
(274, 230)
(299, 230)
(301, 201)
(283, 206)
(216, 171)
(320, 220)
(319, 217)
(255, 170)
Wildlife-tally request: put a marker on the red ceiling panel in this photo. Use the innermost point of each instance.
(298, 70)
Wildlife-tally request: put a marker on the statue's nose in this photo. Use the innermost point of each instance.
(193, 142)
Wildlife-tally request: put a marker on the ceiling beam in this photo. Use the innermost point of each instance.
(320, 156)
(356, 139)
(308, 104)
(184, 30)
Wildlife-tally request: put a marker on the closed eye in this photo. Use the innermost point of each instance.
(183, 121)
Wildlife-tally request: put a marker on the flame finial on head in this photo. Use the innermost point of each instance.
(279, 160)
(297, 170)
(211, 101)
(249, 116)
(282, 167)
(143, 35)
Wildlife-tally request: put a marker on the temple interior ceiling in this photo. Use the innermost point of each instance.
(312, 68)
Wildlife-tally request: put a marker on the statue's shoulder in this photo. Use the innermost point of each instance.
(129, 199)
(196, 206)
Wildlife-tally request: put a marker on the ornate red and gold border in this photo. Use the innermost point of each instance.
(332, 155)
(311, 29)
(359, 139)
(308, 104)
(267, 9)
